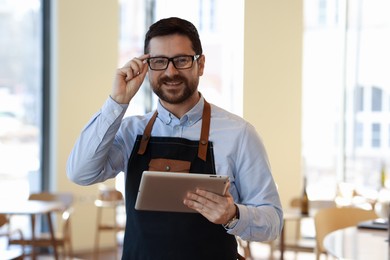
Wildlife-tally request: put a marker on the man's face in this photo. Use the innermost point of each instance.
(172, 85)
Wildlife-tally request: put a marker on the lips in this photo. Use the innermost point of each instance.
(173, 83)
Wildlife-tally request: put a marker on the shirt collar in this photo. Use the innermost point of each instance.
(188, 119)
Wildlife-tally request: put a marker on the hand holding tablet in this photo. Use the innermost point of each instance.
(165, 191)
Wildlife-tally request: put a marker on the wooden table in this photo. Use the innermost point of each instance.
(358, 244)
(33, 208)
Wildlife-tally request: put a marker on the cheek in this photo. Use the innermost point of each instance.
(152, 77)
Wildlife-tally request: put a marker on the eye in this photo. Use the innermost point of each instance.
(159, 61)
(182, 60)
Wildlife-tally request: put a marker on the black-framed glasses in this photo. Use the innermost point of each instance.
(180, 62)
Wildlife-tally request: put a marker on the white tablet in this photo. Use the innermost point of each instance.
(165, 191)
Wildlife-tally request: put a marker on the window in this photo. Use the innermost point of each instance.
(21, 101)
(345, 86)
(20, 97)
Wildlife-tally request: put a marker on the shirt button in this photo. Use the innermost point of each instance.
(116, 112)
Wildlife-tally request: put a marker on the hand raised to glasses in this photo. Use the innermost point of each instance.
(128, 79)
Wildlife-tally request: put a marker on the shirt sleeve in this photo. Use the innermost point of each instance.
(96, 155)
(256, 195)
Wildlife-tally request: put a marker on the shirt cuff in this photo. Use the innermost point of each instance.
(111, 109)
(242, 221)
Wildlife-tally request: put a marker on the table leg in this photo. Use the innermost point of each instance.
(281, 244)
(52, 235)
(33, 236)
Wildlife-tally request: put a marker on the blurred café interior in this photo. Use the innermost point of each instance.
(310, 75)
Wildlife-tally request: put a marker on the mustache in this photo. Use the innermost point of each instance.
(174, 78)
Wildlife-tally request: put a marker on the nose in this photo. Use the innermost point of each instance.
(171, 70)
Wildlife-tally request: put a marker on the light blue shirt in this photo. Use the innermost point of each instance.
(105, 145)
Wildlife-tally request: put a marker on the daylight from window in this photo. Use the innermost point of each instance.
(346, 96)
(20, 96)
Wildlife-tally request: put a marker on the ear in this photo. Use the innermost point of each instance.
(201, 61)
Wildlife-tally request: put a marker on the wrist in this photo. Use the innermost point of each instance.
(233, 221)
(120, 99)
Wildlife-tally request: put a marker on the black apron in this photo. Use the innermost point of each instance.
(164, 235)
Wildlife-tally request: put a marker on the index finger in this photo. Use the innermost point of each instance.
(143, 57)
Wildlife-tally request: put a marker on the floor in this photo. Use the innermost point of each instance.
(259, 251)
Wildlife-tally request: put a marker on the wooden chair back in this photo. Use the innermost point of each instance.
(330, 219)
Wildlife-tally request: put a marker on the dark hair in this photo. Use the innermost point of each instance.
(171, 26)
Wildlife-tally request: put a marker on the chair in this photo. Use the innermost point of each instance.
(299, 243)
(307, 242)
(331, 219)
(109, 199)
(63, 234)
(5, 231)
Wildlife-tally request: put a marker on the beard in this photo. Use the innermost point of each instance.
(177, 95)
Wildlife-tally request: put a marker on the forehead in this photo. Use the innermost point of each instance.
(170, 45)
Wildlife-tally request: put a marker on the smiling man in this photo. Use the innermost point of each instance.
(189, 135)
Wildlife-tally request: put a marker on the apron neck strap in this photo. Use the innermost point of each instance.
(204, 134)
(146, 135)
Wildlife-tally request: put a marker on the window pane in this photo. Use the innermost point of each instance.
(346, 94)
(20, 96)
